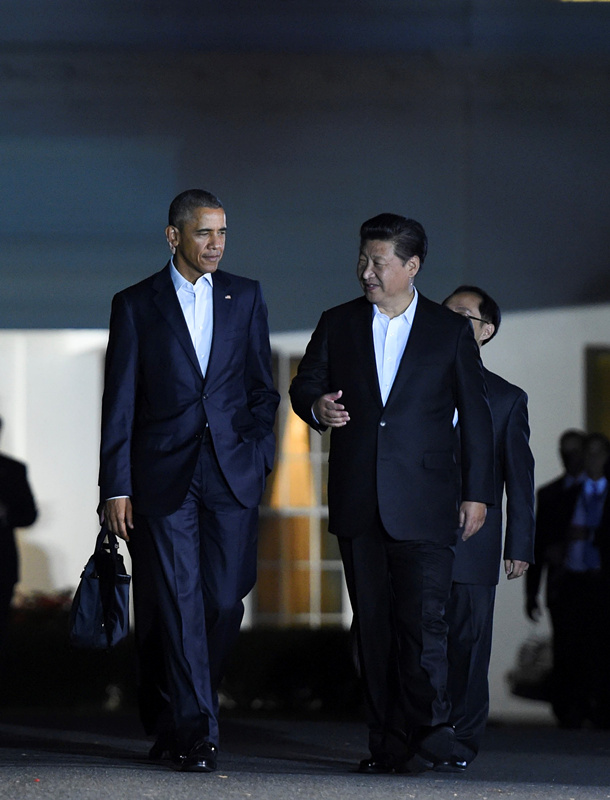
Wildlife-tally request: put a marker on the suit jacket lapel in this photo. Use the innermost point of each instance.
(168, 304)
(223, 307)
(361, 327)
(421, 330)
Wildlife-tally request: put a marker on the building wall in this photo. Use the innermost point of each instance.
(486, 121)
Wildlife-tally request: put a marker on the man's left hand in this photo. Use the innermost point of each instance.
(514, 568)
(472, 516)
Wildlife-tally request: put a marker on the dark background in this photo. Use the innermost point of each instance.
(487, 121)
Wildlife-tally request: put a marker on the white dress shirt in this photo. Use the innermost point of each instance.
(196, 301)
(390, 337)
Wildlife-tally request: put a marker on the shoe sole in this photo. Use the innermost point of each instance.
(449, 768)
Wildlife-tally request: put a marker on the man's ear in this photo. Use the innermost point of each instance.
(172, 234)
(412, 266)
(488, 331)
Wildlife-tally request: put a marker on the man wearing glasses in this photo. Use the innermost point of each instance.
(477, 560)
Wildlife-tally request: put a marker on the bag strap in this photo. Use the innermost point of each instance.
(112, 546)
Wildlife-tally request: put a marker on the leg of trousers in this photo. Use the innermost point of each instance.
(398, 591)
(470, 619)
(203, 563)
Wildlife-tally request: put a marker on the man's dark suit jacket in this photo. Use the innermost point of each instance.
(156, 401)
(555, 508)
(477, 560)
(16, 496)
(400, 457)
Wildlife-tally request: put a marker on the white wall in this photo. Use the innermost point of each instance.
(50, 393)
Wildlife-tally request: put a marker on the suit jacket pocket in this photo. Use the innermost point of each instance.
(442, 459)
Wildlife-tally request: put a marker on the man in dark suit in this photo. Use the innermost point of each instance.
(553, 512)
(187, 443)
(573, 540)
(17, 510)
(386, 372)
(477, 561)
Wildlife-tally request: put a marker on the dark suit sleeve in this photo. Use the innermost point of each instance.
(519, 485)
(118, 402)
(263, 399)
(549, 501)
(21, 508)
(313, 377)
(476, 426)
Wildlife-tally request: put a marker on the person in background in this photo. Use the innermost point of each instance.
(477, 561)
(578, 603)
(551, 517)
(17, 510)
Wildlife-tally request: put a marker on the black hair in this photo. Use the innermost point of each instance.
(488, 308)
(183, 206)
(407, 236)
(572, 433)
(596, 437)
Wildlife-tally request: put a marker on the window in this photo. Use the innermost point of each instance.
(300, 576)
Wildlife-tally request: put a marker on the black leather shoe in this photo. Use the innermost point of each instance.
(434, 746)
(451, 765)
(377, 765)
(200, 758)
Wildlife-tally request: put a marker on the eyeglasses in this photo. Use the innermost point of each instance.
(469, 316)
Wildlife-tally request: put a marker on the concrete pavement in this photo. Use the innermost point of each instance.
(61, 756)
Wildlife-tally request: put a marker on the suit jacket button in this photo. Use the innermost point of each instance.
(382, 424)
(204, 397)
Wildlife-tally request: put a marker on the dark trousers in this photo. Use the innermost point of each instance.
(470, 619)
(398, 591)
(191, 571)
(579, 682)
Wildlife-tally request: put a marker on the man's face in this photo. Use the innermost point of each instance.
(467, 305)
(199, 243)
(596, 457)
(382, 275)
(573, 455)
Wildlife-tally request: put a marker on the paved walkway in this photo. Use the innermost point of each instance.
(69, 757)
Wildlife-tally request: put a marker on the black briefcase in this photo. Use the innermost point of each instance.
(99, 617)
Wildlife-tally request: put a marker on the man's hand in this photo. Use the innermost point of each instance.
(330, 413)
(118, 516)
(472, 516)
(514, 568)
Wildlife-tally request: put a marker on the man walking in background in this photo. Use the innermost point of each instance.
(187, 443)
(17, 510)
(551, 514)
(477, 560)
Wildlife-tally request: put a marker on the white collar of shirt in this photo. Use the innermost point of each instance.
(180, 282)
(571, 480)
(406, 315)
(595, 487)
